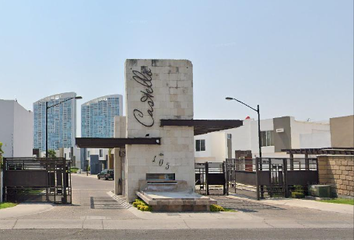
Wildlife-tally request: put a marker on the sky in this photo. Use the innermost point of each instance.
(293, 57)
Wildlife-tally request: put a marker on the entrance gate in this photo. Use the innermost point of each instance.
(273, 177)
(210, 177)
(37, 180)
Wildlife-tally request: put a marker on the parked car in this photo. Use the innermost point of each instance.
(106, 174)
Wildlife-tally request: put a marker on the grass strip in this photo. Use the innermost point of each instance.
(339, 201)
(7, 205)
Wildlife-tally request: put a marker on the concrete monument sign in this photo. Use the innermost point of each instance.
(154, 142)
(155, 90)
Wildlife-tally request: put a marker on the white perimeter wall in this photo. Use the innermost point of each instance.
(7, 126)
(309, 134)
(16, 129)
(23, 132)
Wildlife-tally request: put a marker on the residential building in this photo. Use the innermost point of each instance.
(276, 134)
(61, 122)
(97, 116)
(342, 131)
(97, 121)
(16, 129)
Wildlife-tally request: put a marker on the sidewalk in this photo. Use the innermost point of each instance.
(154, 221)
(306, 203)
(200, 222)
(25, 209)
(339, 216)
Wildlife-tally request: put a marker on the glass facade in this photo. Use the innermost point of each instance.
(97, 116)
(61, 122)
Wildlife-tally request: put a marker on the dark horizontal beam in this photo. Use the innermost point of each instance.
(194, 122)
(114, 142)
(202, 126)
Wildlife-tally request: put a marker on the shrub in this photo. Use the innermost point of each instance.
(74, 170)
(141, 205)
(297, 195)
(216, 208)
(298, 188)
(298, 192)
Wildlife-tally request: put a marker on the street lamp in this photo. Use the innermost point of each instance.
(46, 120)
(259, 137)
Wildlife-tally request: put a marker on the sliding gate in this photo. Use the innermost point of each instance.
(37, 180)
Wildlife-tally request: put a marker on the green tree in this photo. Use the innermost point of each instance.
(52, 154)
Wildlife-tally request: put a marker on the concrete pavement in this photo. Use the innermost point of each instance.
(93, 208)
(234, 220)
(24, 209)
(306, 203)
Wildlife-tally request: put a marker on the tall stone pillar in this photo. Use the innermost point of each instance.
(155, 90)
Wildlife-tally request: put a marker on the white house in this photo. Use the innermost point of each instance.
(16, 129)
(276, 134)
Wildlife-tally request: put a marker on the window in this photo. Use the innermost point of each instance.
(229, 136)
(267, 138)
(200, 145)
(101, 154)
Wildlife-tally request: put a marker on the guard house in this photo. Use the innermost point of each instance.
(154, 141)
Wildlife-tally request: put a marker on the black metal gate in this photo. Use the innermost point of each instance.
(37, 180)
(210, 178)
(271, 177)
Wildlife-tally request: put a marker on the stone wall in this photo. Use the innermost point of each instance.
(337, 171)
(155, 90)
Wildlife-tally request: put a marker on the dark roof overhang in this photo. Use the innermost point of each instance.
(114, 142)
(202, 126)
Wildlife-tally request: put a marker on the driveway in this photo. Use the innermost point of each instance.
(90, 201)
(93, 208)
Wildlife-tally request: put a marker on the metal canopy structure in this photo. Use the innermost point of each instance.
(114, 142)
(317, 151)
(202, 126)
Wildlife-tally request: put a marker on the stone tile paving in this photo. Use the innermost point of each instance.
(243, 205)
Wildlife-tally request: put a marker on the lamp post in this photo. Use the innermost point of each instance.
(46, 120)
(259, 136)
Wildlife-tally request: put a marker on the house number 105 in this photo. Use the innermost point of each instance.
(161, 163)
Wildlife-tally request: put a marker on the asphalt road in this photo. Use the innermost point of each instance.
(179, 234)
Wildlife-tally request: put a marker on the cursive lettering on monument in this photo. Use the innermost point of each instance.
(145, 80)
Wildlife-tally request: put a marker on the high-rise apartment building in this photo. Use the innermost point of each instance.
(97, 116)
(97, 121)
(61, 122)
